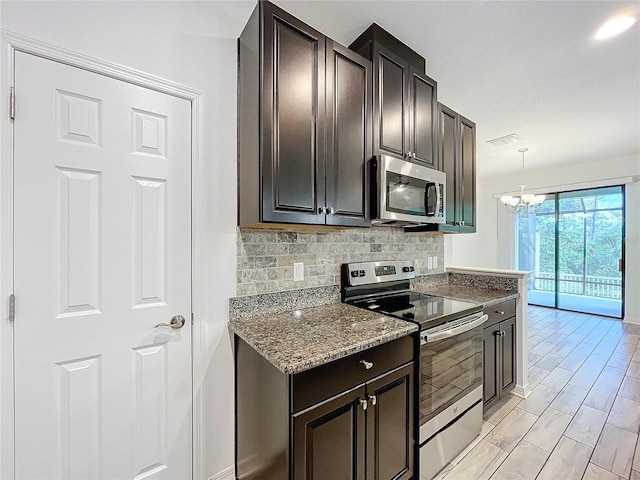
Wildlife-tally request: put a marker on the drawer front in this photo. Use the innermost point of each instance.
(499, 312)
(325, 381)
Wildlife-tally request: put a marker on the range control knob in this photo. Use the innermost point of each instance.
(354, 273)
(406, 269)
(363, 273)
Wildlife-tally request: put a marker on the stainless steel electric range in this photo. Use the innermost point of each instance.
(450, 363)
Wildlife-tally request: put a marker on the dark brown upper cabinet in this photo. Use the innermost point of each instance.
(457, 158)
(304, 125)
(405, 99)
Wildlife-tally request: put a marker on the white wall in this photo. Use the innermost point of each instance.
(193, 44)
(486, 248)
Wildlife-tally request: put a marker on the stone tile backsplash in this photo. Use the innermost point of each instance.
(266, 257)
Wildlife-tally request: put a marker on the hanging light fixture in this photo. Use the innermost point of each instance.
(522, 203)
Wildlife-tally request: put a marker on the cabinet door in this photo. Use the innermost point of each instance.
(447, 144)
(293, 119)
(490, 385)
(423, 119)
(349, 107)
(390, 429)
(391, 103)
(508, 355)
(467, 175)
(328, 440)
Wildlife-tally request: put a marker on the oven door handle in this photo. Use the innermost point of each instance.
(427, 337)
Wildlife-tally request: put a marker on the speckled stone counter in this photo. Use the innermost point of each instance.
(323, 334)
(482, 296)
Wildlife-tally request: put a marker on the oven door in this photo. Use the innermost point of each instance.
(450, 364)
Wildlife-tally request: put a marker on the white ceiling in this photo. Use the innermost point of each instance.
(525, 67)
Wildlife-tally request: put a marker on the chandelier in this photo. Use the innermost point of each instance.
(522, 203)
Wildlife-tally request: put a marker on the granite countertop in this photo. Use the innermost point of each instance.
(482, 296)
(322, 334)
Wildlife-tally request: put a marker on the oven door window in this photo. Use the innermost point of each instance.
(410, 195)
(449, 369)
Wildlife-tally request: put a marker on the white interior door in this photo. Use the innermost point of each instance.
(102, 254)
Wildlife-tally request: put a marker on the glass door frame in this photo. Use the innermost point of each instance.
(556, 197)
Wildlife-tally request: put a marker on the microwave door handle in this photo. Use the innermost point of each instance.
(427, 191)
(438, 199)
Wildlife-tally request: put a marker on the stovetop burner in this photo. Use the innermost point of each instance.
(419, 307)
(384, 287)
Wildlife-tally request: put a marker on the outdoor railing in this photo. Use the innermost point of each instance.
(587, 285)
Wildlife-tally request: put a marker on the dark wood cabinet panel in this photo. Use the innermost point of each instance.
(349, 104)
(490, 387)
(424, 111)
(328, 440)
(391, 102)
(304, 125)
(296, 116)
(499, 341)
(292, 118)
(447, 121)
(508, 371)
(467, 162)
(390, 426)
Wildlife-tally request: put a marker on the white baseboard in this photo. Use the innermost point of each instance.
(631, 321)
(226, 474)
(521, 391)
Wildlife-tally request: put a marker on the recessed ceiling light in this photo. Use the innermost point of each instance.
(506, 140)
(614, 26)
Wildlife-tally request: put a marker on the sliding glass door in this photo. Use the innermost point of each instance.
(574, 246)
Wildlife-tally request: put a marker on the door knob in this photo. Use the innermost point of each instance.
(176, 322)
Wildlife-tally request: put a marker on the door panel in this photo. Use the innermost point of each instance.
(468, 174)
(392, 99)
(390, 426)
(328, 440)
(102, 255)
(348, 136)
(508, 372)
(448, 162)
(424, 108)
(294, 117)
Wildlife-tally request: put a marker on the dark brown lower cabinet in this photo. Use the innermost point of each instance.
(499, 342)
(297, 427)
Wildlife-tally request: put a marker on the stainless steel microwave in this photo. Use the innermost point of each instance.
(405, 193)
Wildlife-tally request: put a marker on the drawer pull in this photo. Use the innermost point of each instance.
(373, 399)
(500, 312)
(367, 365)
(363, 403)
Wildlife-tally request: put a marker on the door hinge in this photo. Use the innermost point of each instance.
(12, 307)
(12, 103)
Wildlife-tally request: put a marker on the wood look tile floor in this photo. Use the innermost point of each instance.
(582, 418)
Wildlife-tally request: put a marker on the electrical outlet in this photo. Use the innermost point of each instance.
(298, 271)
(435, 262)
(429, 263)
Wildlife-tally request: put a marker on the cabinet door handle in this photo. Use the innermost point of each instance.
(367, 365)
(373, 399)
(322, 210)
(409, 154)
(363, 403)
(330, 211)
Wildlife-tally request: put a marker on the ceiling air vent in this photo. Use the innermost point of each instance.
(506, 140)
